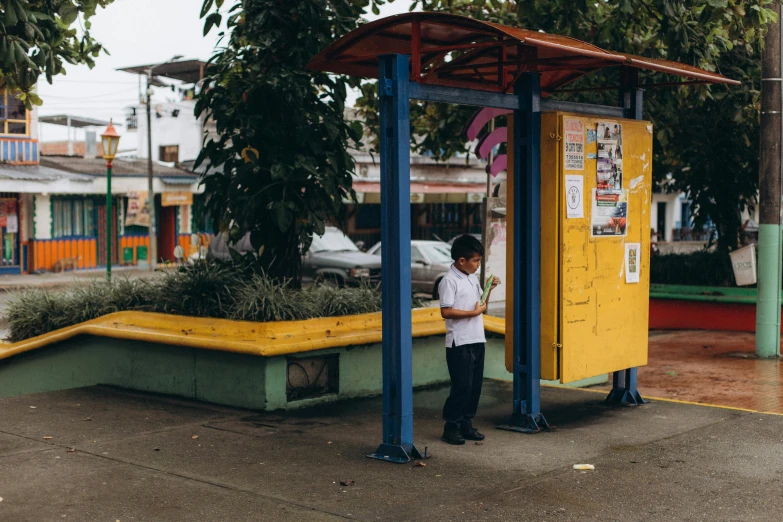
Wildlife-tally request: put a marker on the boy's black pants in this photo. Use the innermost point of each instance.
(466, 369)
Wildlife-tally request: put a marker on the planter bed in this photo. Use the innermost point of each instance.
(260, 366)
(676, 307)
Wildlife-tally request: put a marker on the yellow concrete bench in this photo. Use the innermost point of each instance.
(244, 337)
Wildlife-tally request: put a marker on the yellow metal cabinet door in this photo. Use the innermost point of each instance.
(602, 318)
(550, 245)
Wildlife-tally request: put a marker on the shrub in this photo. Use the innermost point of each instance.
(204, 290)
(36, 312)
(703, 268)
(262, 299)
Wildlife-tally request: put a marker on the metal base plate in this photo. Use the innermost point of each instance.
(396, 454)
(525, 423)
(623, 397)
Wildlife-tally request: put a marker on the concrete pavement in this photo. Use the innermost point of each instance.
(140, 457)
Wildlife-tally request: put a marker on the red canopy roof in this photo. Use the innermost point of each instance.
(490, 56)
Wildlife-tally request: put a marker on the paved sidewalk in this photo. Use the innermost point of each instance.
(61, 279)
(116, 455)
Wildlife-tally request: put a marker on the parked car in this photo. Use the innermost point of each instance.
(451, 241)
(332, 257)
(335, 258)
(430, 261)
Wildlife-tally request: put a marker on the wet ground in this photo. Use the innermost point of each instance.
(100, 454)
(712, 368)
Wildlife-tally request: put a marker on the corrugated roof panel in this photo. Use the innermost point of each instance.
(488, 56)
(39, 173)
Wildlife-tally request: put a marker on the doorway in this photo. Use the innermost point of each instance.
(167, 233)
(661, 225)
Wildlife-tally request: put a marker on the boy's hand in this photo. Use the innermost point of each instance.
(495, 282)
(480, 308)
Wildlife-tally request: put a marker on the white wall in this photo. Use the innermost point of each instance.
(43, 217)
(751, 215)
(119, 185)
(34, 123)
(673, 214)
(184, 130)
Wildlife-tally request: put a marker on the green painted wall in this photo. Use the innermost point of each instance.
(243, 381)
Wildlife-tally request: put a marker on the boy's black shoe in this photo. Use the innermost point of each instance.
(473, 434)
(452, 436)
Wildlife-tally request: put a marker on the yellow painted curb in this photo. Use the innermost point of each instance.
(691, 403)
(251, 338)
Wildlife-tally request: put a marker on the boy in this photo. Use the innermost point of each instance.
(460, 293)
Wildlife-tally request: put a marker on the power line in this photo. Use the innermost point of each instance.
(47, 96)
(93, 81)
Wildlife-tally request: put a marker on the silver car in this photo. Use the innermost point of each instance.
(430, 261)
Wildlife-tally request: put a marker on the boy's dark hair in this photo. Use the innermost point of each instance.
(465, 246)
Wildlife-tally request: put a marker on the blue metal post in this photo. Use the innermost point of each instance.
(397, 443)
(526, 416)
(624, 391)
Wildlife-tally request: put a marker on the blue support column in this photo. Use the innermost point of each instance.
(624, 391)
(397, 443)
(526, 416)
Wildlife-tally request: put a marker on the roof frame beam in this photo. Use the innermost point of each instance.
(499, 100)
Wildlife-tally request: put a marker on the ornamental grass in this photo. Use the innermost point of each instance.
(203, 290)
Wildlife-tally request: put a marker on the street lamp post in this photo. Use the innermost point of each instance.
(110, 141)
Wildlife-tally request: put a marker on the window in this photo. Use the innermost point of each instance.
(73, 217)
(78, 223)
(131, 118)
(169, 153)
(416, 256)
(438, 254)
(13, 116)
(89, 217)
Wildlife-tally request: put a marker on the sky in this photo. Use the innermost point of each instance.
(136, 32)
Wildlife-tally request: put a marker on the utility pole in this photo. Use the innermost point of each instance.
(153, 251)
(770, 179)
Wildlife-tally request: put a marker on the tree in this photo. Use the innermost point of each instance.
(37, 37)
(707, 137)
(279, 167)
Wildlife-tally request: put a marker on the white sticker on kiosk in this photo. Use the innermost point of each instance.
(574, 194)
(574, 144)
(632, 262)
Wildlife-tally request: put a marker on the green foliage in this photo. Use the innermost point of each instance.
(706, 137)
(37, 38)
(263, 299)
(703, 268)
(332, 301)
(279, 166)
(35, 312)
(205, 290)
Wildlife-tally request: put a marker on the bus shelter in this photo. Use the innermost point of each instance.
(590, 317)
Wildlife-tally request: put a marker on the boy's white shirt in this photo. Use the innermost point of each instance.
(461, 292)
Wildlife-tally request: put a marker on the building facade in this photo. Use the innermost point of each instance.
(53, 208)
